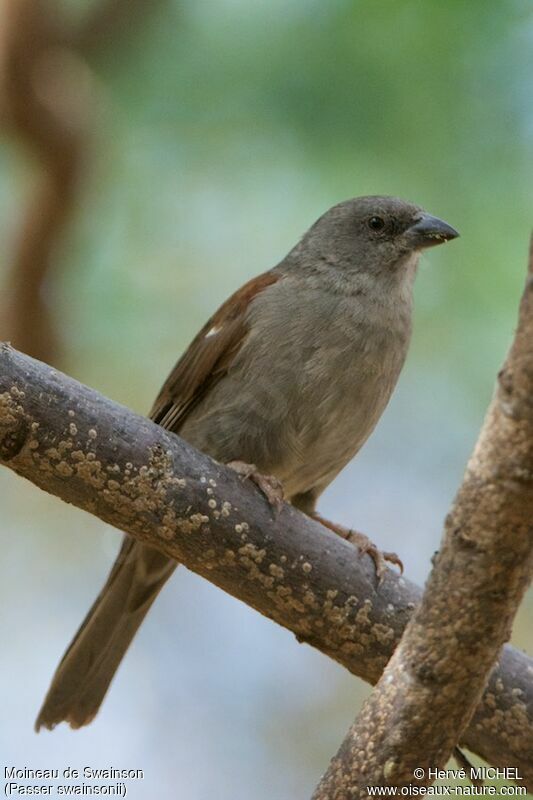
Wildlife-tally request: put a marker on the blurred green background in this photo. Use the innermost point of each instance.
(224, 128)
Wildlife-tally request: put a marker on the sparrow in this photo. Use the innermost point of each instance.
(285, 383)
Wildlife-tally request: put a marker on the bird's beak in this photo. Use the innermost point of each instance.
(427, 231)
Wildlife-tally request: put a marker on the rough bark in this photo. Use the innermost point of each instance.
(435, 679)
(87, 450)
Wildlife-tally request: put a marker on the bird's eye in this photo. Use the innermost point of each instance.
(376, 223)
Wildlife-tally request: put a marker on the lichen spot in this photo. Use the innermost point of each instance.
(363, 615)
(276, 571)
(64, 469)
(389, 768)
(382, 633)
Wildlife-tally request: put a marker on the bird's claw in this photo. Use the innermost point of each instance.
(379, 557)
(269, 485)
(364, 544)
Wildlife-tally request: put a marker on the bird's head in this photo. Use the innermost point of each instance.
(375, 235)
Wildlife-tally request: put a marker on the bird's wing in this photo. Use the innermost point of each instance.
(208, 357)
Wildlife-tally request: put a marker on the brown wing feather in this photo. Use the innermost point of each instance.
(208, 357)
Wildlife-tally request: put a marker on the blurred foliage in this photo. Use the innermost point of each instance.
(225, 128)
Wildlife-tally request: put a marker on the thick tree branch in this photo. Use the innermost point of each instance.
(434, 681)
(82, 447)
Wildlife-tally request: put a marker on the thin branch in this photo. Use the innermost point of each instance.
(433, 683)
(76, 444)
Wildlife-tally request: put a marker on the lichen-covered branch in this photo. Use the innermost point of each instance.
(89, 451)
(430, 689)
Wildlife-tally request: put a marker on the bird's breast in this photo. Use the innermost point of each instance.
(336, 367)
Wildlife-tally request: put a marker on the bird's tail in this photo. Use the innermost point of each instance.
(87, 668)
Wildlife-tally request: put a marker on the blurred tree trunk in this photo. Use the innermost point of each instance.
(46, 103)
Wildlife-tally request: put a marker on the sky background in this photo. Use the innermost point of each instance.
(222, 130)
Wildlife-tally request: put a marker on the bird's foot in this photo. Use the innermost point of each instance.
(269, 485)
(365, 545)
(379, 557)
